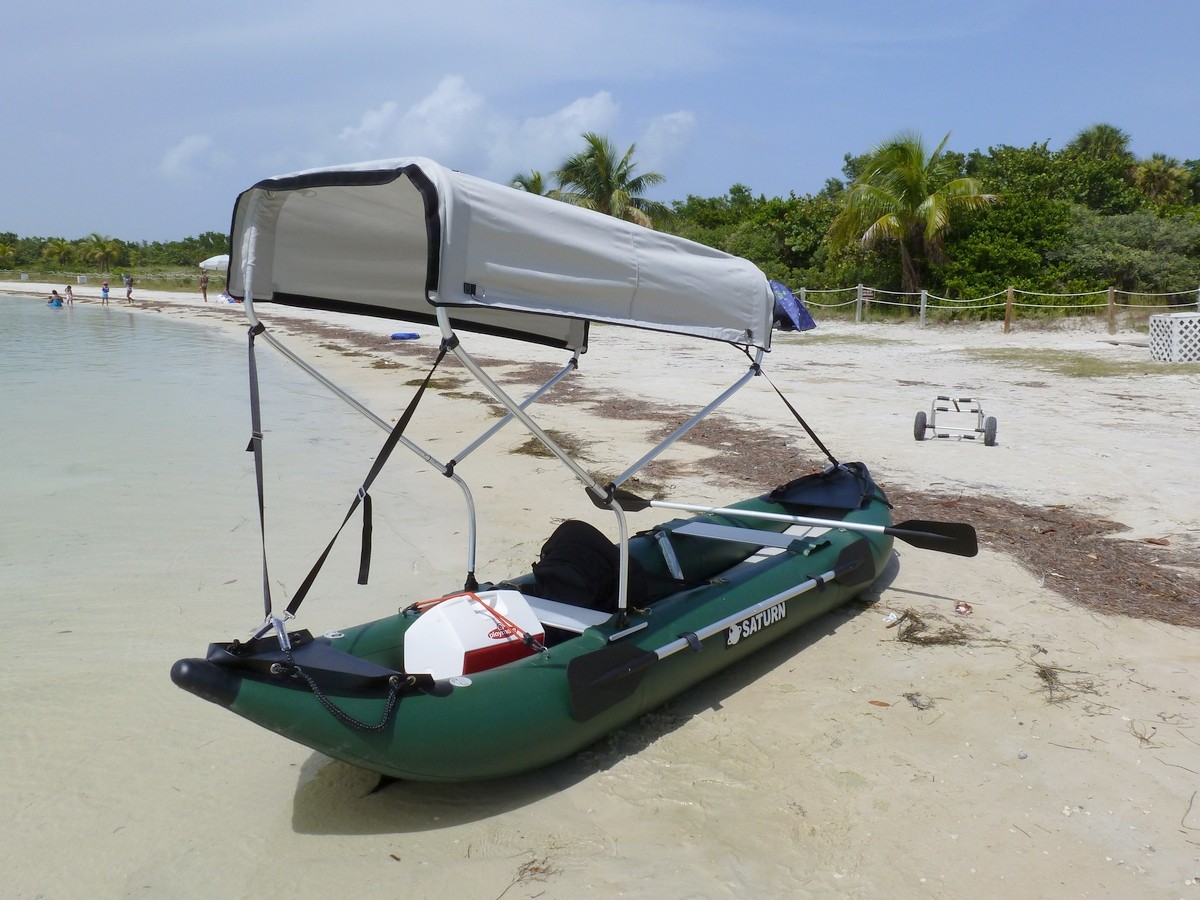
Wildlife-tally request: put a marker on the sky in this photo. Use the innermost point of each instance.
(144, 120)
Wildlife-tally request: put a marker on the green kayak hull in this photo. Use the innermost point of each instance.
(347, 695)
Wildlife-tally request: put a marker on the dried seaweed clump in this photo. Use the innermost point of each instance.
(912, 628)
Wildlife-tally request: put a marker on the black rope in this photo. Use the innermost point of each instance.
(340, 714)
(812, 434)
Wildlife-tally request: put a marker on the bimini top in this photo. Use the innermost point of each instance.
(397, 238)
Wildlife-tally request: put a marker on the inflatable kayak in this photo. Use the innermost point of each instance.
(517, 679)
(506, 675)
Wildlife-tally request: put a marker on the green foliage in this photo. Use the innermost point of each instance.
(1009, 245)
(100, 253)
(1012, 243)
(533, 182)
(908, 197)
(595, 178)
(1136, 252)
(58, 251)
(1007, 170)
(1101, 141)
(1162, 180)
(1193, 168)
(1104, 185)
(711, 220)
(1098, 170)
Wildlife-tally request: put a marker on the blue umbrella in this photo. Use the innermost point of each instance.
(790, 314)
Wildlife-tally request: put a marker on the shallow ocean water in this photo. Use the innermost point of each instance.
(122, 448)
(111, 419)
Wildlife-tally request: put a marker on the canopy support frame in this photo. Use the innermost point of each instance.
(601, 496)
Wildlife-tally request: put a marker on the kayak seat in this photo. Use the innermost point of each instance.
(674, 558)
(566, 616)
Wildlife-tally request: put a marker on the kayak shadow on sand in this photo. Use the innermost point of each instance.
(333, 797)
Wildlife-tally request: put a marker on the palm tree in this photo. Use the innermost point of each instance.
(58, 250)
(595, 178)
(1162, 179)
(8, 255)
(908, 197)
(99, 248)
(532, 183)
(1101, 141)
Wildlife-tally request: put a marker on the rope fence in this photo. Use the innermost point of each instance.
(1013, 301)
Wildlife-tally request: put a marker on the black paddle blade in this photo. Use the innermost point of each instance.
(600, 680)
(946, 537)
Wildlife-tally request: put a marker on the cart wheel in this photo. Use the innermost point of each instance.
(919, 426)
(989, 431)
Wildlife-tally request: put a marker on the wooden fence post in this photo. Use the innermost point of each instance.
(1112, 310)
(1008, 309)
(858, 304)
(924, 303)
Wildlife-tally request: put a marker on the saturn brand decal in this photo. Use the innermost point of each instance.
(751, 624)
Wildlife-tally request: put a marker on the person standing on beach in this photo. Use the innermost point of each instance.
(104, 293)
(70, 295)
(128, 288)
(204, 286)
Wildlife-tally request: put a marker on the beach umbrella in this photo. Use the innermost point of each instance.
(216, 263)
(790, 314)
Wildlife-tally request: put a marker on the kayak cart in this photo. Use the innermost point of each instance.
(926, 426)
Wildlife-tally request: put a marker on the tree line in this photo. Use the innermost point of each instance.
(901, 217)
(1083, 218)
(102, 253)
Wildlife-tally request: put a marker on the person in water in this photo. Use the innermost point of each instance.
(54, 299)
(70, 295)
(104, 293)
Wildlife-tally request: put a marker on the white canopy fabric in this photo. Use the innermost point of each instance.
(395, 238)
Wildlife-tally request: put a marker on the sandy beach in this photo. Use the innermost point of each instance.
(1039, 746)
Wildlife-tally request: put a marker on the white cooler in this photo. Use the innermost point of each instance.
(459, 636)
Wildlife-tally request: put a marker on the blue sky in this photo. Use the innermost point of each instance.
(144, 120)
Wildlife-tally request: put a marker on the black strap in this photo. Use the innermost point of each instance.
(255, 447)
(364, 499)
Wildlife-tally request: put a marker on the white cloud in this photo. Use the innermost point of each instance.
(458, 127)
(543, 142)
(195, 155)
(375, 125)
(666, 140)
(439, 126)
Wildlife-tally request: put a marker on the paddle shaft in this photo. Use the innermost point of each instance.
(948, 537)
(773, 517)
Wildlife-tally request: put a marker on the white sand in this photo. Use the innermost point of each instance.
(839, 762)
